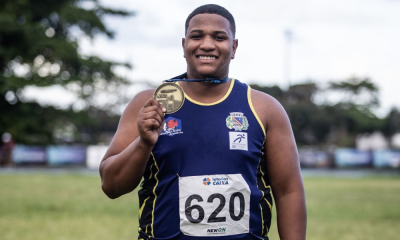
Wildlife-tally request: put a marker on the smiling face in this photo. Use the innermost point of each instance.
(208, 47)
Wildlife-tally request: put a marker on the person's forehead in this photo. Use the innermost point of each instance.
(213, 21)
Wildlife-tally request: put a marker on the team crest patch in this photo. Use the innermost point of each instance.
(237, 121)
(172, 126)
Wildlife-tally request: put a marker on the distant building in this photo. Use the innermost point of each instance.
(373, 141)
(396, 141)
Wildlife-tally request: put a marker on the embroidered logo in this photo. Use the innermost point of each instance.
(172, 126)
(237, 121)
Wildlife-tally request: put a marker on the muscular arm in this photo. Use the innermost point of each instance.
(283, 168)
(125, 161)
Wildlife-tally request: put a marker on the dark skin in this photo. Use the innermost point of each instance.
(208, 48)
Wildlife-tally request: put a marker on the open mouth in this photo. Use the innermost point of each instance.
(203, 57)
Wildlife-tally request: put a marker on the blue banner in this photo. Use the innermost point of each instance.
(386, 159)
(66, 155)
(347, 157)
(23, 154)
(314, 158)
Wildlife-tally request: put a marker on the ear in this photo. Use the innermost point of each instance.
(183, 46)
(234, 47)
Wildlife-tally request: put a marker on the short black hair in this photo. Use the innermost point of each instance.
(212, 9)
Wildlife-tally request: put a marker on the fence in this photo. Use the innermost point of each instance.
(90, 157)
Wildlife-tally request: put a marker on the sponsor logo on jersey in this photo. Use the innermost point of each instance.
(216, 231)
(172, 126)
(206, 181)
(216, 181)
(237, 121)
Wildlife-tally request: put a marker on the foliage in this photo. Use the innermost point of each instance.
(39, 47)
(325, 124)
(361, 93)
(392, 122)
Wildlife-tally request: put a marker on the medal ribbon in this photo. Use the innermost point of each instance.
(207, 80)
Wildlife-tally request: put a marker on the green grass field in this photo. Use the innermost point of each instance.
(45, 207)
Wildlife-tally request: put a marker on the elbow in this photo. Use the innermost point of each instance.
(107, 188)
(109, 191)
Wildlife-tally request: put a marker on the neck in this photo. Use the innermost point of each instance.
(205, 92)
(191, 76)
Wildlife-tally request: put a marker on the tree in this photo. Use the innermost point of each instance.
(361, 93)
(326, 123)
(39, 47)
(392, 122)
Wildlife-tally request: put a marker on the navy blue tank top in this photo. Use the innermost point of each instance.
(206, 176)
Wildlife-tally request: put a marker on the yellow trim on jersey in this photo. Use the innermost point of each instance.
(252, 108)
(262, 178)
(155, 196)
(269, 204)
(151, 171)
(265, 185)
(262, 218)
(214, 103)
(141, 209)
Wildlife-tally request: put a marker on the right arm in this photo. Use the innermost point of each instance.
(124, 163)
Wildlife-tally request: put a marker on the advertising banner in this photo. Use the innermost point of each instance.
(66, 155)
(94, 154)
(314, 158)
(23, 154)
(387, 159)
(347, 157)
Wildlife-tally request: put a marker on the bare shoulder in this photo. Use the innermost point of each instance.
(127, 130)
(138, 100)
(131, 111)
(267, 108)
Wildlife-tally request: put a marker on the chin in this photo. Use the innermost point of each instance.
(210, 74)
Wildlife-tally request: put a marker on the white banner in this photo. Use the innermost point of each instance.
(94, 154)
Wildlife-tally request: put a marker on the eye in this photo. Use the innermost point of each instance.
(197, 36)
(220, 37)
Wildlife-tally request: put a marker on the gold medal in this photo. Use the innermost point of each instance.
(171, 96)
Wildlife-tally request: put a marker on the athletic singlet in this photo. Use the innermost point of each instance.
(206, 176)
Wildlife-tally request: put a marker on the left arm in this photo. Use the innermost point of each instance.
(283, 168)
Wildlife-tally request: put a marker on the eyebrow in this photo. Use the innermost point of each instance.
(201, 31)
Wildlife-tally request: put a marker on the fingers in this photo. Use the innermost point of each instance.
(152, 114)
(152, 102)
(151, 124)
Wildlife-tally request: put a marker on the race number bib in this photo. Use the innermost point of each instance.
(214, 205)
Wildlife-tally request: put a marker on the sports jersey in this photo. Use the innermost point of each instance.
(206, 176)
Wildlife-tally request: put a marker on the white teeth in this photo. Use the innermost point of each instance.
(207, 57)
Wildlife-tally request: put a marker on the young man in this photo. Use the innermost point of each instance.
(208, 169)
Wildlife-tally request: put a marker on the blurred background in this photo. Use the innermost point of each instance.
(68, 68)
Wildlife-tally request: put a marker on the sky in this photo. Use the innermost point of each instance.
(331, 41)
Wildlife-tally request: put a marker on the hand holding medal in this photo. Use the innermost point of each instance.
(171, 96)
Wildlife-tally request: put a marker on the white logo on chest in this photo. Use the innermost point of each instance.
(238, 141)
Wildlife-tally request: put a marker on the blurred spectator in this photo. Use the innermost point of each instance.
(6, 150)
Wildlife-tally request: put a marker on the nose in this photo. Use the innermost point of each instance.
(207, 44)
